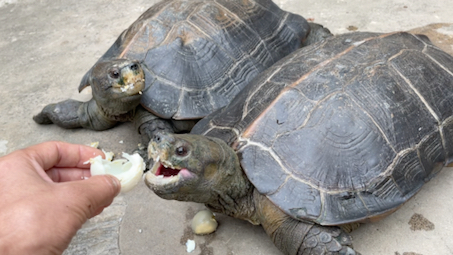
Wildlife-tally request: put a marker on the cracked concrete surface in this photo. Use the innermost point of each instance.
(47, 46)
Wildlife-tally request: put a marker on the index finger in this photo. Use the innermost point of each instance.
(61, 154)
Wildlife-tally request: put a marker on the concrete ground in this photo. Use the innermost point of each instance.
(45, 48)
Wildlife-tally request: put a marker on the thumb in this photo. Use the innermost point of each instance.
(91, 196)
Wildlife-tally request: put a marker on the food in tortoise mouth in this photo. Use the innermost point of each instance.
(204, 223)
(128, 170)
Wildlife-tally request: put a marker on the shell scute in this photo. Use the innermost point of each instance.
(262, 159)
(307, 204)
(419, 70)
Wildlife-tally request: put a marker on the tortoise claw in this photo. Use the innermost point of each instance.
(42, 118)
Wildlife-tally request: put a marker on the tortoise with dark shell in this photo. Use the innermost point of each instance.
(339, 132)
(181, 60)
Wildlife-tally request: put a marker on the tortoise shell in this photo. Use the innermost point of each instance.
(346, 129)
(197, 54)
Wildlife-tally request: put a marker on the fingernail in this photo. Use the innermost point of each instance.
(116, 183)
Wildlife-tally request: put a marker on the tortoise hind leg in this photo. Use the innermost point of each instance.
(301, 238)
(294, 237)
(327, 240)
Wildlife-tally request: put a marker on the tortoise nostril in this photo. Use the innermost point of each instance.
(157, 138)
(134, 67)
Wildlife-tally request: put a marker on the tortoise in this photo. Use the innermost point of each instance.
(338, 133)
(181, 60)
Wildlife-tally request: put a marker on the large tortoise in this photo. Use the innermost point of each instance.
(194, 57)
(339, 132)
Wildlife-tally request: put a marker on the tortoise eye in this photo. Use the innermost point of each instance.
(181, 151)
(114, 74)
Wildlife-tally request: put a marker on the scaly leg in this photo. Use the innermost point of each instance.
(75, 114)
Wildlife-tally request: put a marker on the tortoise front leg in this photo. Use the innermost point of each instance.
(63, 114)
(75, 114)
(294, 237)
(149, 124)
(317, 33)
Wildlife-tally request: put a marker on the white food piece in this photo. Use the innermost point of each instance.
(204, 223)
(190, 245)
(94, 144)
(129, 170)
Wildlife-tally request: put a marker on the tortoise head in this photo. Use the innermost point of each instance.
(193, 168)
(117, 84)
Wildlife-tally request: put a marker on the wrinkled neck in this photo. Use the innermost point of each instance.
(92, 117)
(121, 112)
(242, 207)
(233, 195)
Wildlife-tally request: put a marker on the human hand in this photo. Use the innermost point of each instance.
(44, 198)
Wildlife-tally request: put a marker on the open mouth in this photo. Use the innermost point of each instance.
(164, 178)
(166, 171)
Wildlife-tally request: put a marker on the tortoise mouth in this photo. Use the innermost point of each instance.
(163, 178)
(131, 98)
(132, 89)
(166, 171)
